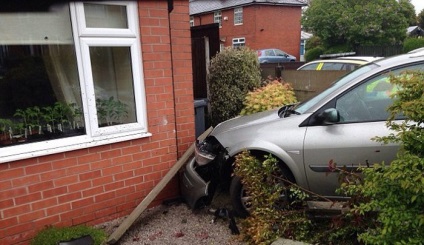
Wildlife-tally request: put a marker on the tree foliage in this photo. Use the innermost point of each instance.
(408, 10)
(420, 19)
(356, 22)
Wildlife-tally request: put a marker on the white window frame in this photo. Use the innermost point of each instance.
(191, 21)
(86, 43)
(217, 17)
(238, 16)
(132, 15)
(95, 135)
(239, 42)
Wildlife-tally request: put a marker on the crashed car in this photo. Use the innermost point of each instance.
(337, 126)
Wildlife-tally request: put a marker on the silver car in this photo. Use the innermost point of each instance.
(337, 125)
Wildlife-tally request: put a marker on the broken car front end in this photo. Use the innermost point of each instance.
(202, 173)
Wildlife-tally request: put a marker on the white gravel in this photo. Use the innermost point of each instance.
(177, 224)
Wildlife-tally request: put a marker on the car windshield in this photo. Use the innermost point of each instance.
(306, 105)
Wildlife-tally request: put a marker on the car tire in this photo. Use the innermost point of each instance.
(241, 201)
(239, 198)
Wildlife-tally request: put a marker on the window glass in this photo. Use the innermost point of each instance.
(238, 16)
(308, 104)
(279, 52)
(217, 18)
(40, 93)
(331, 66)
(113, 85)
(191, 21)
(239, 42)
(105, 16)
(269, 52)
(310, 67)
(370, 100)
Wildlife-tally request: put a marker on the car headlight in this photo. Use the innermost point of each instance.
(202, 153)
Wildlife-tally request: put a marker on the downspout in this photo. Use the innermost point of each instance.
(170, 8)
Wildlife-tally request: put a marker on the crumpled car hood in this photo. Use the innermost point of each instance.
(244, 121)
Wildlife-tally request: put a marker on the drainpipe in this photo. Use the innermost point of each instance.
(170, 8)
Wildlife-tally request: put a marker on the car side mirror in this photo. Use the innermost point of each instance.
(329, 116)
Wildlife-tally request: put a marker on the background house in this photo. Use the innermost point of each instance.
(139, 54)
(415, 31)
(256, 24)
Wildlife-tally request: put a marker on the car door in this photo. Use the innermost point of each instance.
(280, 56)
(270, 56)
(350, 142)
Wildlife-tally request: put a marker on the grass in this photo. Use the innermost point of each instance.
(53, 235)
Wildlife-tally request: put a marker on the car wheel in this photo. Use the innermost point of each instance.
(241, 201)
(239, 198)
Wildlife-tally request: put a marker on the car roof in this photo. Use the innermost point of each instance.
(416, 50)
(353, 61)
(363, 58)
(344, 61)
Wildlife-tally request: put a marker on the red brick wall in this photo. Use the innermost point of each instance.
(264, 26)
(98, 184)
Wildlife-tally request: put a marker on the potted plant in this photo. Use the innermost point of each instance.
(76, 117)
(110, 111)
(5, 134)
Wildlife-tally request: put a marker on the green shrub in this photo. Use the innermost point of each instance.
(412, 43)
(395, 192)
(341, 48)
(313, 42)
(232, 74)
(53, 235)
(313, 54)
(272, 95)
(266, 222)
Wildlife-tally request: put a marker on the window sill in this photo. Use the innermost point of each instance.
(20, 152)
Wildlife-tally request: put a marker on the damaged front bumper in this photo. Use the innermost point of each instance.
(200, 176)
(193, 186)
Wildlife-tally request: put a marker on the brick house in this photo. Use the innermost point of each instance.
(96, 105)
(256, 24)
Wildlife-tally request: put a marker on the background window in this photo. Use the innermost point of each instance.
(217, 18)
(238, 16)
(239, 42)
(191, 21)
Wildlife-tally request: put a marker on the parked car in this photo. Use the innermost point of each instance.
(338, 64)
(273, 55)
(336, 125)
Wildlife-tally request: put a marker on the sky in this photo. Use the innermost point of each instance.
(419, 5)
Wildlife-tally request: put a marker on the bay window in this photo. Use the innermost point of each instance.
(70, 78)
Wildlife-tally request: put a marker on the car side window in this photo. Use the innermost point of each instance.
(310, 67)
(269, 53)
(332, 66)
(370, 100)
(279, 53)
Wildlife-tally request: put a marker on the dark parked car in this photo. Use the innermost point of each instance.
(336, 125)
(273, 55)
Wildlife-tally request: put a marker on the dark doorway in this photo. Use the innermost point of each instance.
(202, 36)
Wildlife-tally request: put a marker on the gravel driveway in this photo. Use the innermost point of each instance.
(176, 224)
